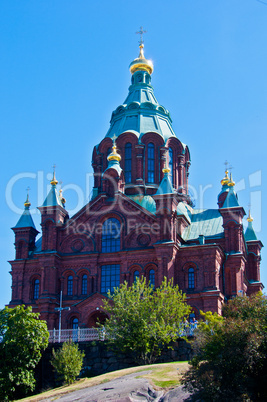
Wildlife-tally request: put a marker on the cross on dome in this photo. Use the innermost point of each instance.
(141, 33)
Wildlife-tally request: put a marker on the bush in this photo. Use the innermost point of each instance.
(67, 361)
(231, 357)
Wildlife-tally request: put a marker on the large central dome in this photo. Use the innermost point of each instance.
(141, 113)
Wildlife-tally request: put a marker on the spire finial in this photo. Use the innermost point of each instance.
(225, 180)
(27, 203)
(231, 181)
(166, 168)
(114, 140)
(54, 181)
(141, 63)
(141, 33)
(114, 156)
(62, 199)
(249, 218)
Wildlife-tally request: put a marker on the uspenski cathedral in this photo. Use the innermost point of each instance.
(140, 221)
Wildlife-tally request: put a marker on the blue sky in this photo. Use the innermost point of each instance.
(64, 69)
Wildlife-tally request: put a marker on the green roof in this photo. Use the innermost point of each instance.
(250, 235)
(206, 222)
(52, 198)
(25, 221)
(165, 186)
(113, 164)
(145, 201)
(231, 199)
(141, 113)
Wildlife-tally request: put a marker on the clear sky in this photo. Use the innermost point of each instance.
(64, 69)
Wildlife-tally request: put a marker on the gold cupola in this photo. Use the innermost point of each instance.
(249, 218)
(166, 168)
(114, 156)
(27, 203)
(225, 180)
(54, 181)
(231, 182)
(141, 63)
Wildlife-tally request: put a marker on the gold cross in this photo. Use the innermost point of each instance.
(114, 139)
(141, 33)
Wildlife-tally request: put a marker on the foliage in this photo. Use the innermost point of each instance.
(143, 319)
(231, 358)
(68, 361)
(23, 338)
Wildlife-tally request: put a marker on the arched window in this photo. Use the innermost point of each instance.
(36, 288)
(75, 323)
(136, 275)
(128, 163)
(152, 277)
(191, 278)
(171, 163)
(70, 286)
(111, 240)
(151, 163)
(84, 284)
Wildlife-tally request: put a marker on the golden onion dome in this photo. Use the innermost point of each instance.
(62, 199)
(27, 203)
(249, 218)
(166, 170)
(141, 63)
(231, 181)
(225, 180)
(114, 156)
(54, 181)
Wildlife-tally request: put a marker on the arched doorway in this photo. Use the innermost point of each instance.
(95, 318)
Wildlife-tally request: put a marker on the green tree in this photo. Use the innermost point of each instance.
(67, 361)
(23, 337)
(231, 356)
(142, 320)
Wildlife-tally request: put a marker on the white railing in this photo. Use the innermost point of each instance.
(75, 335)
(93, 334)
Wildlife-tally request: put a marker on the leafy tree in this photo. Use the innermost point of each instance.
(23, 337)
(143, 319)
(231, 355)
(67, 361)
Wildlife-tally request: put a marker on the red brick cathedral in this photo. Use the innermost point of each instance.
(139, 222)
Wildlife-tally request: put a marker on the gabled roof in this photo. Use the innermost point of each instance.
(206, 222)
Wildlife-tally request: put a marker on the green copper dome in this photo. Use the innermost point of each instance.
(141, 113)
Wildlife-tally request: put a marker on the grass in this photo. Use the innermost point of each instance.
(161, 376)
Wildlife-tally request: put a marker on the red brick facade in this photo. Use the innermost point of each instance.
(158, 234)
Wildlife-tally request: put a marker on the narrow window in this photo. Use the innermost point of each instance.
(70, 286)
(151, 163)
(92, 284)
(136, 275)
(111, 240)
(152, 277)
(191, 278)
(110, 277)
(75, 323)
(84, 284)
(36, 287)
(128, 163)
(171, 164)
